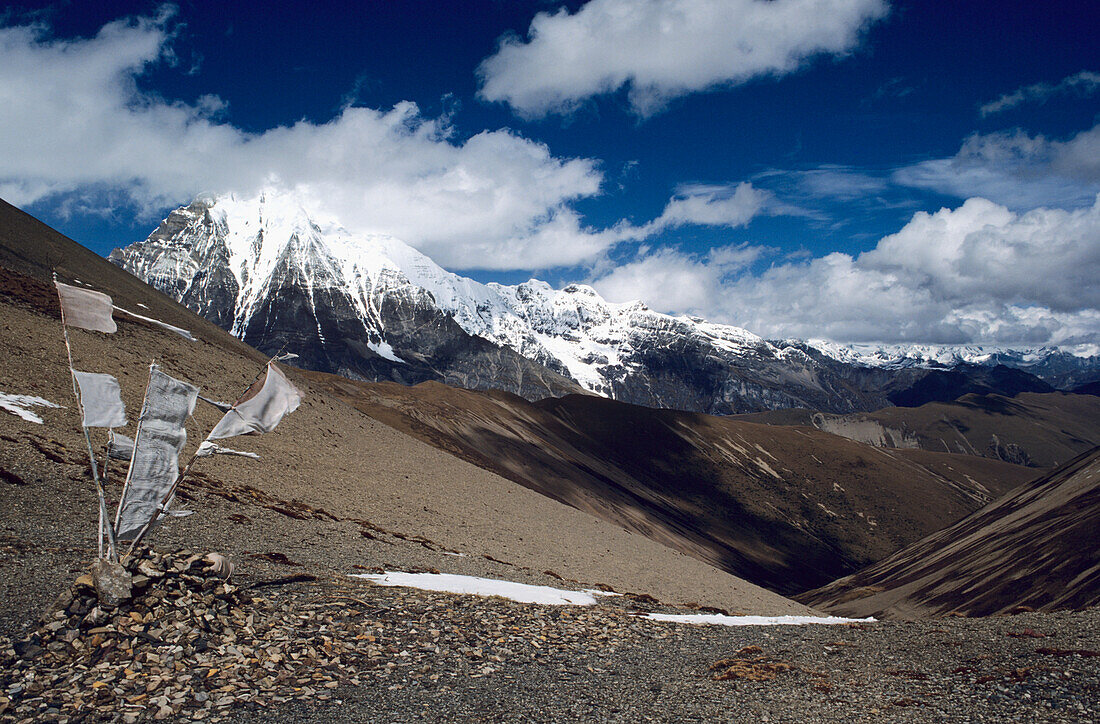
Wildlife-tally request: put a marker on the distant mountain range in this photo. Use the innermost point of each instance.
(372, 307)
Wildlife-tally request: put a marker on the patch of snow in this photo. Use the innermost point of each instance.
(142, 305)
(384, 350)
(452, 583)
(718, 619)
(18, 404)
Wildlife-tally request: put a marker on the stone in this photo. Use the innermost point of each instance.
(94, 618)
(112, 583)
(219, 565)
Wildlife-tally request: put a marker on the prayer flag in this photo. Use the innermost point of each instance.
(86, 309)
(120, 447)
(263, 412)
(160, 437)
(207, 448)
(100, 399)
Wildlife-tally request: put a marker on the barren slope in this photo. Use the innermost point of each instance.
(788, 508)
(1035, 547)
(1036, 429)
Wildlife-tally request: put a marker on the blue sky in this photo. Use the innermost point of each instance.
(860, 170)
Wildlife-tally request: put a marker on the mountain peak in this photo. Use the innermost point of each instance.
(360, 303)
(261, 263)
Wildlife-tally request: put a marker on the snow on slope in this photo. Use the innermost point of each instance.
(453, 583)
(573, 330)
(896, 356)
(20, 405)
(228, 258)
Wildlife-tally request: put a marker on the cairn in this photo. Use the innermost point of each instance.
(163, 635)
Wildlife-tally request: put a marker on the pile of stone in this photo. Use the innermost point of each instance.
(166, 634)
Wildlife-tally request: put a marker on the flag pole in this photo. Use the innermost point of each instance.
(112, 551)
(106, 480)
(194, 457)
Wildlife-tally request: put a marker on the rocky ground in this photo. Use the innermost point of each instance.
(298, 648)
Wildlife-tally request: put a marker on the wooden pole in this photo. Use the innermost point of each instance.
(104, 478)
(112, 550)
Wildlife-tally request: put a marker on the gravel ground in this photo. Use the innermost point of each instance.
(606, 664)
(438, 657)
(351, 651)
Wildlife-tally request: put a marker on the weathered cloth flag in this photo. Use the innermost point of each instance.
(212, 448)
(100, 399)
(163, 325)
(263, 412)
(120, 447)
(160, 436)
(86, 309)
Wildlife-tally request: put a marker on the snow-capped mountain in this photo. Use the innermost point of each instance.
(371, 306)
(1063, 368)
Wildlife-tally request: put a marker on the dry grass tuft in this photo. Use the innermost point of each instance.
(749, 664)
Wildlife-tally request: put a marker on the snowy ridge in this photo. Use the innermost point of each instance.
(572, 331)
(370, 306)
(898, 356)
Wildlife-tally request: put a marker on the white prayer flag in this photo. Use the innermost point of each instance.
(160, 437)
(163, 325)
(86, 309)
(263, 412)
(120, 447)
(207, 448)
(101, 400)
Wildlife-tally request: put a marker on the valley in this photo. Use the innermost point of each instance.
(683, 513)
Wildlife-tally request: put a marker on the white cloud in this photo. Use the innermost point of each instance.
(664, 49)
(1083, 83)
(1015, 169)
(839, 183)
(978, 273)
(716, 205)
(671, 280)
(708, 205)
(73, 121)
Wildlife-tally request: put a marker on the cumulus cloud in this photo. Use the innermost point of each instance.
(75, 122)
(672, 280)
(715, 205)
(1083, 83)
(709, 205)
(1015, 169)
(979, 273)
(664, 49)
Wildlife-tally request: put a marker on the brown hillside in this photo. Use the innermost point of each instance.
(1035, 547)
(1036, 429)
(787, 508)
